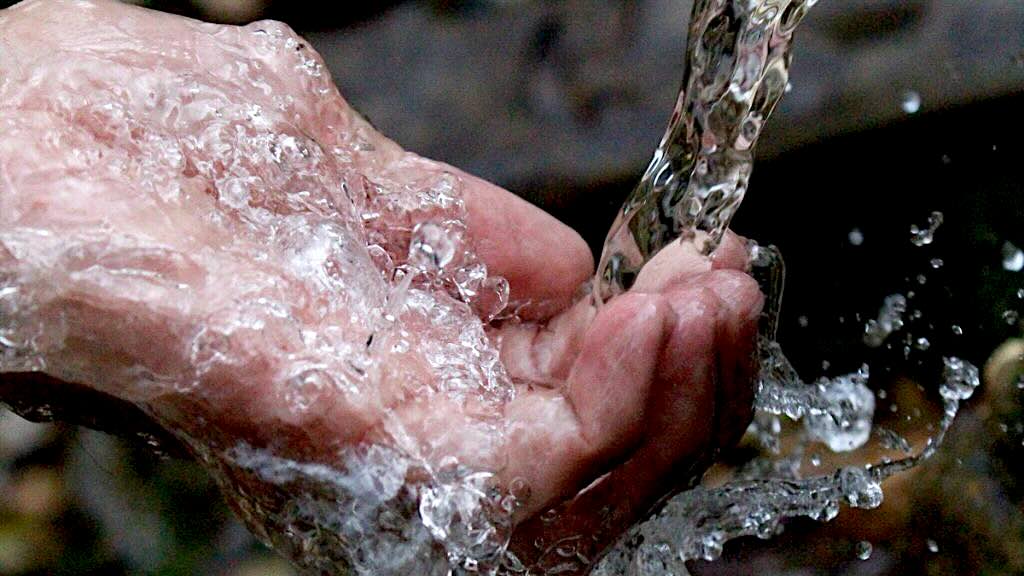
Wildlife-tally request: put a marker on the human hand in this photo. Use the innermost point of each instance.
(192, 219)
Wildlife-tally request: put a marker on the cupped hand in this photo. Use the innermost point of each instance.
(192, 219)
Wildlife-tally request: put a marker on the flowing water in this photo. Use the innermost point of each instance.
(736, 70)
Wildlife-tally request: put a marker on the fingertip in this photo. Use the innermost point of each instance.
(610, 382)
(732, 253)
(736, 342)
(672, 266)
(738, 292)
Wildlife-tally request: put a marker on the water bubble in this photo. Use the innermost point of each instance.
(924, 236)
(856, 237)
(1013, 257)
(432, 247)
(864, 549)
(1011, 317)
(910, 101)
(933, 546)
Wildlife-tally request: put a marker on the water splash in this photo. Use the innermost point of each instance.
(696, 524)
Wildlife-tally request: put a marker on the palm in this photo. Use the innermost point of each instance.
(192, 219)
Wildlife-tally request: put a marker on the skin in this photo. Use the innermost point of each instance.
(622, 402)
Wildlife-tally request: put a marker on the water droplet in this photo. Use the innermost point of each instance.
(957, 330)
(802, 321)
(815, 460)
(959, 379)
(1013, 258)
(864, 549)
(937, 263)
(890, 319)
(933, 546)
(856, 237)
(922, 344)
(1020, 293)
(924, 236)
(910, 102)
(1011, 317)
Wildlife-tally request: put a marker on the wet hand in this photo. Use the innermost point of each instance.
(192, 219)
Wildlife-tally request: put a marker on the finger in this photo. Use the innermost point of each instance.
(694, 376)
(736, 341)
(679, 428)
(682, 261)
(557, 439)
(543, 353)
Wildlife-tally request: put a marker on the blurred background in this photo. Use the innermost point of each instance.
(898, 108)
